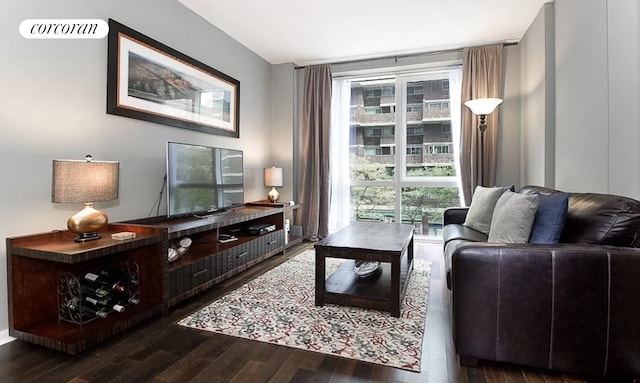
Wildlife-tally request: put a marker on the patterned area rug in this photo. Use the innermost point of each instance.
(278, 307)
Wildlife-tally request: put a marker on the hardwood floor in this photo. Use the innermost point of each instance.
(159, 351)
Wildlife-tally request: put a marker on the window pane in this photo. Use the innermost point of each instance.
(423, 207)
(372, 136)
(429, 127)
(378, 194)
(373, 204)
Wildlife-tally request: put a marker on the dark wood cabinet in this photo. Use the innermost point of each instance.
(207, 261)
(38, 263)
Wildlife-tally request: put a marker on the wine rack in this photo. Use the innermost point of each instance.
(73, 300)
(45, 272)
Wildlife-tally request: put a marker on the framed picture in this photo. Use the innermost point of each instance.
(149, 81)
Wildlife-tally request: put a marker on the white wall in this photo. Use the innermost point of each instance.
(580, 97)
(597, 95)
(53, 105)
(623, 19)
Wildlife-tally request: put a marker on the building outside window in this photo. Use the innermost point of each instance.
(415, 183)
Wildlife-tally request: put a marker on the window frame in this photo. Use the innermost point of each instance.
(400, 180)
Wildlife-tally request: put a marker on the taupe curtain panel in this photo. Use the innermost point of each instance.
(481, 78)
(314, 153)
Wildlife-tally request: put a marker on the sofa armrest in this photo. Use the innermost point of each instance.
(454, 215)
(537, 304)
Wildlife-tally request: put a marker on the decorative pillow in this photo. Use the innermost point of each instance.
(512, 218)
(550, 218)
(481, 209)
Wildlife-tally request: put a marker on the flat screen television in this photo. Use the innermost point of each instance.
(202, 180)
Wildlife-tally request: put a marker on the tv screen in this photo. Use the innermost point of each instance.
(203, 179)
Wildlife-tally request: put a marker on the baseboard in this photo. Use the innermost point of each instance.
(5, 338)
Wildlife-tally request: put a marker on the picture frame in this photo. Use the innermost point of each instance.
(150, 81)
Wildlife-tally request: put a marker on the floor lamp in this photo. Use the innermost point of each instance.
(482, 107)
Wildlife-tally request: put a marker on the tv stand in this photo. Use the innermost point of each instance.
(38, 264)
(208, 261)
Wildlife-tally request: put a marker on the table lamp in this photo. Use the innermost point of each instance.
(273, 179)
(88, 181)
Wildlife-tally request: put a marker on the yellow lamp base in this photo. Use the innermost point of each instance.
(87, 222)
(273, 195)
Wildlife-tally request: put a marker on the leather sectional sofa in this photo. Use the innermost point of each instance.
(573, 306)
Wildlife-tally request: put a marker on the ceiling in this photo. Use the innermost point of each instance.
(323, 31)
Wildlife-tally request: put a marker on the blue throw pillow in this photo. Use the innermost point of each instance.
(550, 218)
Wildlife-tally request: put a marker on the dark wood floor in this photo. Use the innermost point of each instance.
(160, 351)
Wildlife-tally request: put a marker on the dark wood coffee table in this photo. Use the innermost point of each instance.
(389, 243)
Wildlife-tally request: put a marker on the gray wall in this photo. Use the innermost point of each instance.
(597, 96)
(582, 126)
(580, 97)
(623, 18)
(284, 97)
(508, 167)
(53, 102)
(537, 99)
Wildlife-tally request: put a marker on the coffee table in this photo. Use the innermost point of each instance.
(389, 243)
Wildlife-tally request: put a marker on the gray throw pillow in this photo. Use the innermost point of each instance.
(481, 209)
(512, 218)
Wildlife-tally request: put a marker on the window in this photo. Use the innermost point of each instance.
(416, 181)
(372, 151)
(414, 108)
(372, 93)
(437, 105)
(415, 131)
(415, 89)
(439, 148)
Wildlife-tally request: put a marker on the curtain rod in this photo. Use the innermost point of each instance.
(396, 57)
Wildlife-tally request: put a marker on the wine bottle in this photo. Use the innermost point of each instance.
(109, 282)
(103, 303)
(91, 288)
(73, 304)
(125, 299)
(117, 274)
(100, 313)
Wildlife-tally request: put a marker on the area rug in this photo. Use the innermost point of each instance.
(278, 307)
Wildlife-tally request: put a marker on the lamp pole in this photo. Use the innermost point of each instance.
(482, 127)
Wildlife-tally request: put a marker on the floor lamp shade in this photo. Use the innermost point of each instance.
(482, 107)
(273, 178)
(77, 181)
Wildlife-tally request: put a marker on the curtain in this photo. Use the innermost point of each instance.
(340, 206)
(455, 84)
(481, 78)
(314, 185)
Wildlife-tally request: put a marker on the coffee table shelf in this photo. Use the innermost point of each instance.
(390, 244)
(346, 288)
